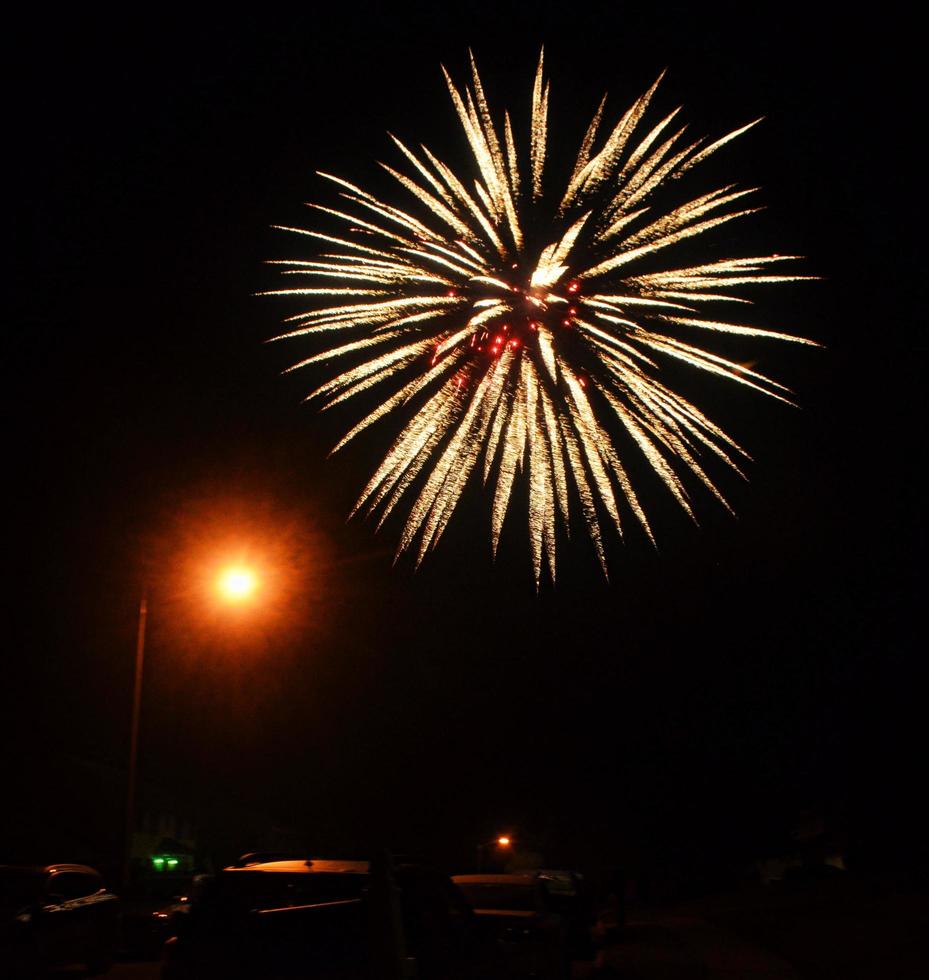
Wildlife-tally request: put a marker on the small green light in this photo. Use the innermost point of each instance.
(172, 861)
(158, 862)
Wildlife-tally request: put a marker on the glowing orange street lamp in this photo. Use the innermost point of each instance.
(237, 583)
(503, 842)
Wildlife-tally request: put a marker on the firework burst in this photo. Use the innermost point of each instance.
(523, 330)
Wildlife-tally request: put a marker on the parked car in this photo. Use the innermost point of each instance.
(517, 911)
(338, 920)
(56, 916)
(568, 894)
(146, 910)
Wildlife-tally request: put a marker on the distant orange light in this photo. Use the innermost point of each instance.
(237, 583)
(503, 841)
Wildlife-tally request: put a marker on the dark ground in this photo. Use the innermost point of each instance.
(835, 930)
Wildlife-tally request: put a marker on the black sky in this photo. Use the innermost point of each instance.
(748, 668)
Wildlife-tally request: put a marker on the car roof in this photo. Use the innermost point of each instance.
(42, 869)
(310, 865)
(82, 868)
(499, 879)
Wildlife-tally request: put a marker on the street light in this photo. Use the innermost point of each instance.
(236, 583)
(502, 843)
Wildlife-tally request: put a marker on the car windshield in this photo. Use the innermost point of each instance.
(272, 890)
(509, 896)
(18, 888)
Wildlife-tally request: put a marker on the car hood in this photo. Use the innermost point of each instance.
(520, 914)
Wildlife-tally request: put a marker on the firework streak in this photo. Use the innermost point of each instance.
(522, 331)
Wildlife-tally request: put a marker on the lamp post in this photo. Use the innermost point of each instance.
(503, 842)
(235, 584)
(134, 734)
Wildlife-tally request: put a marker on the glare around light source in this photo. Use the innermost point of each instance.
(237, 583)
(503, 841)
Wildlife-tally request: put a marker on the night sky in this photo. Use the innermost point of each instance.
(747, 669)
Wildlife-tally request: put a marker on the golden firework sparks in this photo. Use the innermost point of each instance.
(523, 329)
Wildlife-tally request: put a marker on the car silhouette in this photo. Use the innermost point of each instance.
(55, 916)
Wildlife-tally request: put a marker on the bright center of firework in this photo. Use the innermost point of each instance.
(527, 310)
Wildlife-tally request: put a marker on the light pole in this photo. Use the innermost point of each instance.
(134, 734)
(235, 584)
(503, 842)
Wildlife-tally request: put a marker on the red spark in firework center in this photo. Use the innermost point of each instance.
(539, 307)
(555, 309)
